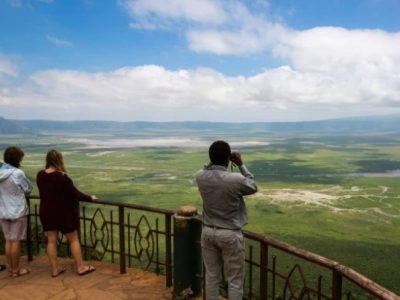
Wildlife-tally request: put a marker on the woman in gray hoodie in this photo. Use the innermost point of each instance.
(14, 187)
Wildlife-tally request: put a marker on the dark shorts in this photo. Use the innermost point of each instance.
(56, 225)
(61, 229)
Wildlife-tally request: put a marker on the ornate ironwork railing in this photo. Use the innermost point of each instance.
(141, 236)
(276, 270)
(132, 235)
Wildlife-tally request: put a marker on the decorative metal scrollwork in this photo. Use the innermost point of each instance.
(290, 291)
(144, 242)
(99, 234)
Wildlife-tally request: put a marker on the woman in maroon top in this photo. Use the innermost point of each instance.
(59, 211)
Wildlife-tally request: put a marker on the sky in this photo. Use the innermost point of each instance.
(192, 60)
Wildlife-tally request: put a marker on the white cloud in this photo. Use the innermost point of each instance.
(7, 67)
(226, 42)
(215, 26)
(154, 93)
(334, 50)
(367, 62)
(327, 72)
(325, 65)
(159, 13)
(58, 41)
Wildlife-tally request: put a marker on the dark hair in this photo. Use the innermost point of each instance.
(55, 159)
(219, 153)
(13, 156)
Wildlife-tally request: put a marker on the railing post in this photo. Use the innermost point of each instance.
(336, 285)
(168, 251)
(28, 233)
(84, 244)
(264, 271)
(122, 262)
(187, 253)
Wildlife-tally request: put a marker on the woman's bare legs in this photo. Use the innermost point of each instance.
(76, 252)
(52, 250)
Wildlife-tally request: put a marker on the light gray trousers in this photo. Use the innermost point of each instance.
(222, 246)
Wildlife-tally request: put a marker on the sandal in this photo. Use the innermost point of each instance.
(59, 272)
(20, 272)
(87, 270)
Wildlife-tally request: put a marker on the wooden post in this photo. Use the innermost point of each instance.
(187, 254)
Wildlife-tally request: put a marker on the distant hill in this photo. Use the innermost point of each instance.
(357, 124)
(12, 127)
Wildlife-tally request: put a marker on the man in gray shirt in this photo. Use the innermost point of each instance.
(224, 214)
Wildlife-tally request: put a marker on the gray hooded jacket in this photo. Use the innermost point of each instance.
(14, 186)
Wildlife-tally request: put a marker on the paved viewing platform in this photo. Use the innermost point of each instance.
(106, 283)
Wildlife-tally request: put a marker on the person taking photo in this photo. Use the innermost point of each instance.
(224, 215)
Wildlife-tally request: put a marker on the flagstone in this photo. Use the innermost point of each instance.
(105, 283)
(67, 294)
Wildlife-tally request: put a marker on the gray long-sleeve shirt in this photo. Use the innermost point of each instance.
(222, 193)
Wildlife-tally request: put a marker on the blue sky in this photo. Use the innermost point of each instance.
(215, 60)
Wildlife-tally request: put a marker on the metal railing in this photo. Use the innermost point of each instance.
(134, 236)
(116, 232)
(302, 274)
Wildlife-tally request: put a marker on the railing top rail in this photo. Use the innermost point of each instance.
(355, 277)
(312, 257)
(126, 205)
(367, 284)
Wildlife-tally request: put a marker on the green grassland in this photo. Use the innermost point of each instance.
(337, 195)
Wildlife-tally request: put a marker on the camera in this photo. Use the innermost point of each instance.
(233, 156)
(236, 158)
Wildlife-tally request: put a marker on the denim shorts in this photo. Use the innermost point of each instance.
(14, 230)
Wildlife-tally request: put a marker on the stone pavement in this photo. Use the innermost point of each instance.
(104, 284)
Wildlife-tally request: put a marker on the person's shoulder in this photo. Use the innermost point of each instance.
(64, 177)
(234, 176)
(61, 175)
(199, 174)
(18, 173)
(60, 178)
(57, 174)
(201, 171)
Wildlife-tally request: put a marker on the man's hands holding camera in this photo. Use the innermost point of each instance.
(236, 158)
